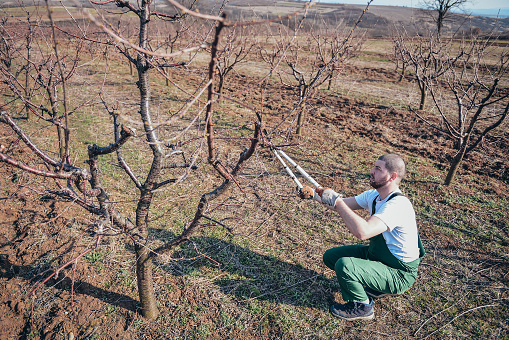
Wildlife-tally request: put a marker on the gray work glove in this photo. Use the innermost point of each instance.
(328, 196)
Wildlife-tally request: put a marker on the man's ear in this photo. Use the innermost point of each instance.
(394, 176)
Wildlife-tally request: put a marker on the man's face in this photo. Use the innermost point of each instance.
(380, 176)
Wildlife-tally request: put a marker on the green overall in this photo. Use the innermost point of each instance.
(373, 266)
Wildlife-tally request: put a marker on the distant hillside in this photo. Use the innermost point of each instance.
(379, 21)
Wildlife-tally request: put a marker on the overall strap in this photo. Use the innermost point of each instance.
(373, 206)
(422, 252)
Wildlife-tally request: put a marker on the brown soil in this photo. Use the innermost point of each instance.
(38, 235)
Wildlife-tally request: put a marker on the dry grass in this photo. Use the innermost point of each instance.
(265, 280)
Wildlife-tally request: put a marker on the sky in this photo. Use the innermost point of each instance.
(474, 4)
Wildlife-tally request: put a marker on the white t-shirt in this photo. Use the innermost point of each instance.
(399, 216)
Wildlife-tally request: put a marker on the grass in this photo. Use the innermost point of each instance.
(266, 279)
(93, 257)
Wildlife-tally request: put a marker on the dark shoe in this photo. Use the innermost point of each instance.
(375, 294)
(353, 311)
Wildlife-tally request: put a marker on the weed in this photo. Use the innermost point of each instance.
(227, 319)
(137, 324)
(109, 283)
(92, 337)
(255, 307)
(203, 331)
(95, 256)
(33, 334)
(110, 310)
(130, 282)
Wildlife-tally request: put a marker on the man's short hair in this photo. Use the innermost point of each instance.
(394, 163)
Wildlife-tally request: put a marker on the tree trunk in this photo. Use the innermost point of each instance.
(302, 113)
(440, 22)
(423, 96)
(402, 75)
(300, 119)
(455, 164)
(145, 283)
(143, 261)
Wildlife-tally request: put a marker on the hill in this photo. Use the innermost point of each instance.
(379, 21)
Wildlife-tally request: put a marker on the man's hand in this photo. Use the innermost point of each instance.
(306, 193)
(328, 196)
(320, 191)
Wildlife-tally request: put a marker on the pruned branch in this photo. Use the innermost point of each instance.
(95, 150)
(7, 119)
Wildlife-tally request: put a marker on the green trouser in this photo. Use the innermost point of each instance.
(373, 266)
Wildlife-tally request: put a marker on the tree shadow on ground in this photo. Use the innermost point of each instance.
(64, 283)
(238, 271)
(248, 275)
(36, 268)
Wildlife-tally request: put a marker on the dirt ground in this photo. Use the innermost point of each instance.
(37, 235)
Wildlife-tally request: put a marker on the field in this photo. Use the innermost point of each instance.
(254, 269)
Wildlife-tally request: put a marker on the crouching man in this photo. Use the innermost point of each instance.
(388, 265)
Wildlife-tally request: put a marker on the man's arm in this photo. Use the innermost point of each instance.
(351, 202)
(359, 227)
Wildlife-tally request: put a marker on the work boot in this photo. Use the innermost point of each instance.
(353, 311)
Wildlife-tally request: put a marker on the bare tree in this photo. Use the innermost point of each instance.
(89, 187)
(441, 10)
(429, 58)
(470, 99)
(322, 57)
(398, 57)
(236, 48)
(85, 185)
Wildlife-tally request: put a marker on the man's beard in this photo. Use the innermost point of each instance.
(379, 184)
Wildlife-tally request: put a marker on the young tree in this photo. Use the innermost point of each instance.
(429, 59)
(311, 64)
(151, 170)
(235, 49)
(398, 58)
(470, 99)
(53, 70)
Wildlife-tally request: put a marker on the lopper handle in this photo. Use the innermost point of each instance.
(288, 170)
(297, 166)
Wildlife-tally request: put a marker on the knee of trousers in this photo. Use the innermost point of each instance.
(328, 259)
(345, 269)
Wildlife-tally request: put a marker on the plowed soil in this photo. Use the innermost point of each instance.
(37, 235)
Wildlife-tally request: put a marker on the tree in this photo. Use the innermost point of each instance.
(399, 57)
(322, 56)
(235, 50)
(440, 10)
(51, 72)
(54, 83)
(429, 59)
(469, 99)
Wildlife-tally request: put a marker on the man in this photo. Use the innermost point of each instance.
(389, 264)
